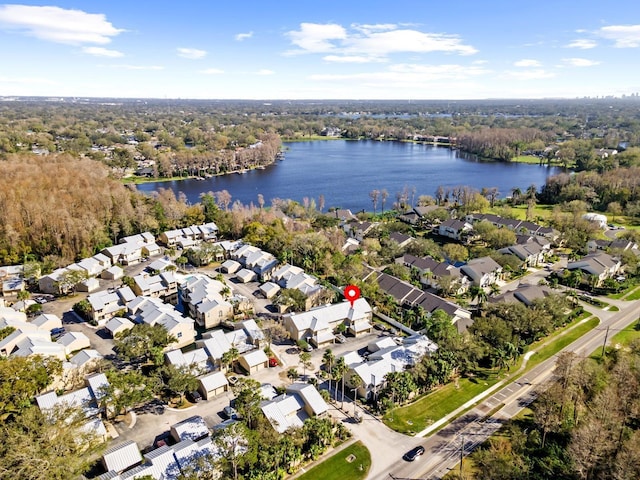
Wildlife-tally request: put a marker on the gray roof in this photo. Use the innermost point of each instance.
(122, 456)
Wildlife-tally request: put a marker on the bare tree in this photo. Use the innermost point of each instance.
(383, 196)
(374, 194)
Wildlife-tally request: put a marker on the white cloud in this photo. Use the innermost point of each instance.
(212, 71)
(352, 59)
(527, 62)
(264, 71)
(624, 36)
(316, 38)
(579, 62)
(243, 36)
(582, 43)
(135, 67)
(102, 52)
(191, 53)
(534, 74)
(378, 27)
(384, 43)
(57, 24)
(372, 41)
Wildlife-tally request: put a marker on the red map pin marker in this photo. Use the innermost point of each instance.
(351, 293)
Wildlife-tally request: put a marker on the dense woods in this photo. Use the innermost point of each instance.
(584, 426)
(59, 208)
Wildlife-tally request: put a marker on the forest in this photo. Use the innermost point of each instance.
(584, 425)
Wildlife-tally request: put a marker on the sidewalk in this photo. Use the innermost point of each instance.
(322, 458)
(444, 420)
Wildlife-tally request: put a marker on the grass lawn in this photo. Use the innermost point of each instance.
(621, 339)
(435, 405)
(337, 467)
(635, 295)
(549, 350)
(619, 295)
(543, 211)
(527, 159)
(137, 180)
(311, 138)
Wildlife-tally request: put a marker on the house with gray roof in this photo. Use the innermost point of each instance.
(599, 264)
(212, 384)
(122, 457)
(454, 228)
(407, 295)
(289, 410)
(155, 312)
(482, 271)
(317, 325)
(524, 293)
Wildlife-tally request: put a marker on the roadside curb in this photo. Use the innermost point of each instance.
(446, 419)
(329, 453)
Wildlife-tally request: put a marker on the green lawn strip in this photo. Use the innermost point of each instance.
(138, 180)
(439, 403)
(621, 339)
(613, 308)
(337, 467)
(543, 211)
(635, 295)
(528, 159)
(432, 407)
(311, 138)
(550, 349)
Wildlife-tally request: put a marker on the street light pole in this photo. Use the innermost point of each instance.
(461, 453)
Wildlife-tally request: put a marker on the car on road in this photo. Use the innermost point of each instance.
(414, 453)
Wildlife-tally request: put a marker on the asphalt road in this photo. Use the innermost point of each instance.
(444, 448)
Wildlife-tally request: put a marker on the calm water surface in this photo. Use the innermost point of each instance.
(346, 171)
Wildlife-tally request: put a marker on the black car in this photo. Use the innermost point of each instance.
(194, 397)
(414, 453)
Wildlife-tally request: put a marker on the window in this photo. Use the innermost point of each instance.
(220, 314)
(179, 335)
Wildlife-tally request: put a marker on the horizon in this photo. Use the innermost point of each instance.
(256, 51)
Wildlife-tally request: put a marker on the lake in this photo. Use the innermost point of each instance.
(346, 171)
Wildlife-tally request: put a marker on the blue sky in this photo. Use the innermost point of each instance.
(402, 49)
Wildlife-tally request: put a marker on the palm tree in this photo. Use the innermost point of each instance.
(339, 371)
(305, 361)
(292, 374)
(494, 289)
(229, 357)
(516, 193)
(478, 294)
(356, 382)
(327, 359)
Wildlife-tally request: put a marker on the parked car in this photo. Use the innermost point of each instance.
(230, 412)
(273, 362)
(340, 338)
(414, 453)
(57, 331)
(232, 379)
(194, 396)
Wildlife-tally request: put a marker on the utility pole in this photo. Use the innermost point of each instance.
(606, 335)
(461, 454)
